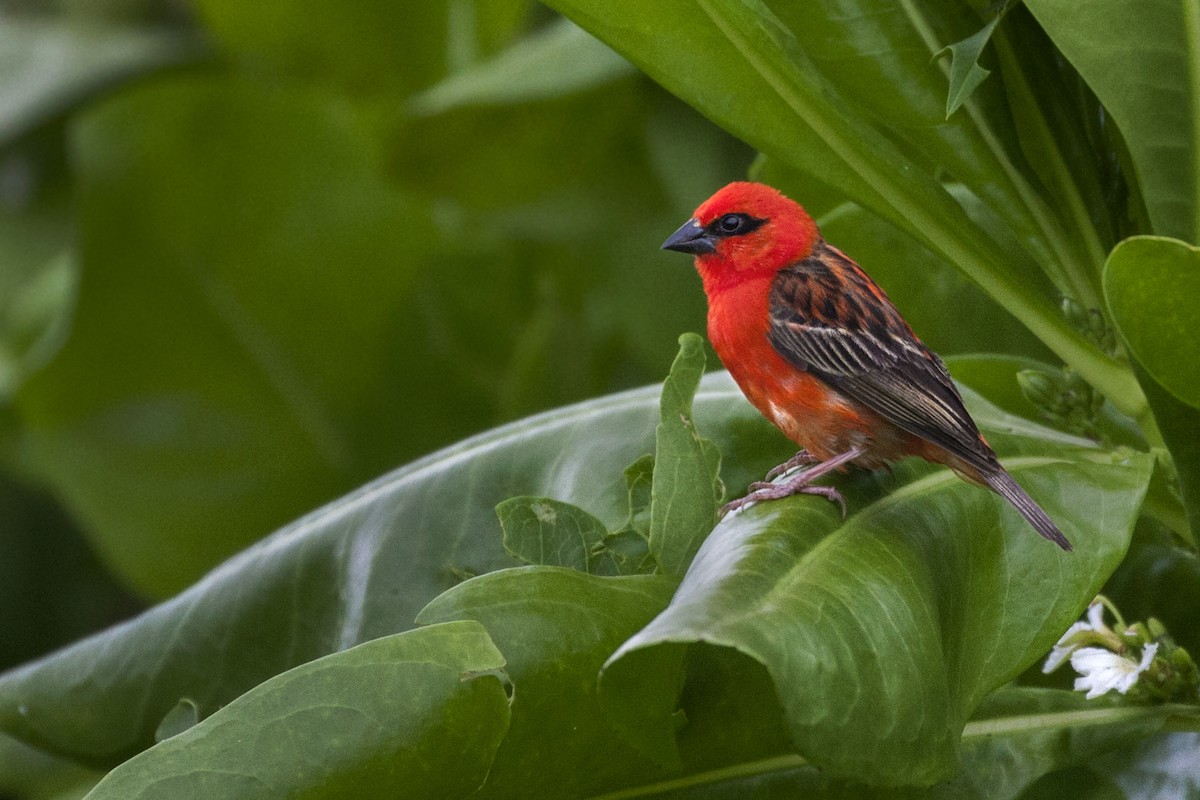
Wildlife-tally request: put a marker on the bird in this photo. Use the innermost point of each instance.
(819, 349)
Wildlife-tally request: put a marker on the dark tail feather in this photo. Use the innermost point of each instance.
(1006, 487)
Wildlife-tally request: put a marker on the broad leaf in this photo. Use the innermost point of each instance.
(418, 713)
(200, 370)
(355, 570)
(555, 628)
(893, 619)
(1152, 97)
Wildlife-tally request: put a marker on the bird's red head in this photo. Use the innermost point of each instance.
(745, 230)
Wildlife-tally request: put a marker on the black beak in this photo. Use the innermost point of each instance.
(691, 238)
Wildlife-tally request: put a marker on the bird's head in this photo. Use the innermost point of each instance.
(745, 230)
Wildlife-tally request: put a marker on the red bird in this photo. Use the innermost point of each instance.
(820, 350)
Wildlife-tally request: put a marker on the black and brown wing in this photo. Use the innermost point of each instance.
(830, 319)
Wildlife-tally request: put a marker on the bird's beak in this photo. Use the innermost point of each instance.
(691, 238)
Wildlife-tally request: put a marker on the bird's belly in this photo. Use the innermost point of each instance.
(818, 418)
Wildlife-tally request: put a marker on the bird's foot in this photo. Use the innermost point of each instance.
(762, 490)
(801, 459)
(798, 484)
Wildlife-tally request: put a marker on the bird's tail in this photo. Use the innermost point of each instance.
(1004, 485)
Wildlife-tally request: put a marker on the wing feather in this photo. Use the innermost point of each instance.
(871, 357)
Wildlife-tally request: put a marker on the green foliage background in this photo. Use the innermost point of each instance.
(254, 256)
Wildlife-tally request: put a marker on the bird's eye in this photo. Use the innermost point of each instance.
(732, 223)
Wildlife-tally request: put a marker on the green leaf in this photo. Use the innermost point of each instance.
(555, 628)
(557, 60)
(355, 570)
(686, 487)
(1152, 97)
(1158, 767)
(965, 72)
(184, 715)
(892, 619)
(424, 710)
(1152, 285)
(543, 531)
(201, 399)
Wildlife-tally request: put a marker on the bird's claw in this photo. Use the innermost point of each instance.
(801, 459)
(761, 490)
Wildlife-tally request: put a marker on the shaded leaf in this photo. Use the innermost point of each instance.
(686, 488)
(891, 619)
(555, 628)
(421, 712)
(201, 398)
(1151, 97)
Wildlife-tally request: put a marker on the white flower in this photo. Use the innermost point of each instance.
(1101, 671)
(1065, 646)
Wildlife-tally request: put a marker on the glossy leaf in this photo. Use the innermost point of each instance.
(355, 570)
(421, 712)
(555, 628)
(1152, 97)
(889, 621)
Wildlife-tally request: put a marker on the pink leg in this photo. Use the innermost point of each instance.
(798, 484)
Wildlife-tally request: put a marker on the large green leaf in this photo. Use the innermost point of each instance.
(421, 712)
(1153, 97)
(900, 618)
(358, 569)
(202, 370)
(362, 567)
(555, 628)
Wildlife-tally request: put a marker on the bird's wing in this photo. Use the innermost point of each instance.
(829, 318)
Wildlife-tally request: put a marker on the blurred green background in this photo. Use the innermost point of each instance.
(255, 254)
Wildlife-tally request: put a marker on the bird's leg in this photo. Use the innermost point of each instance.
(801, 459)
(798, 484)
